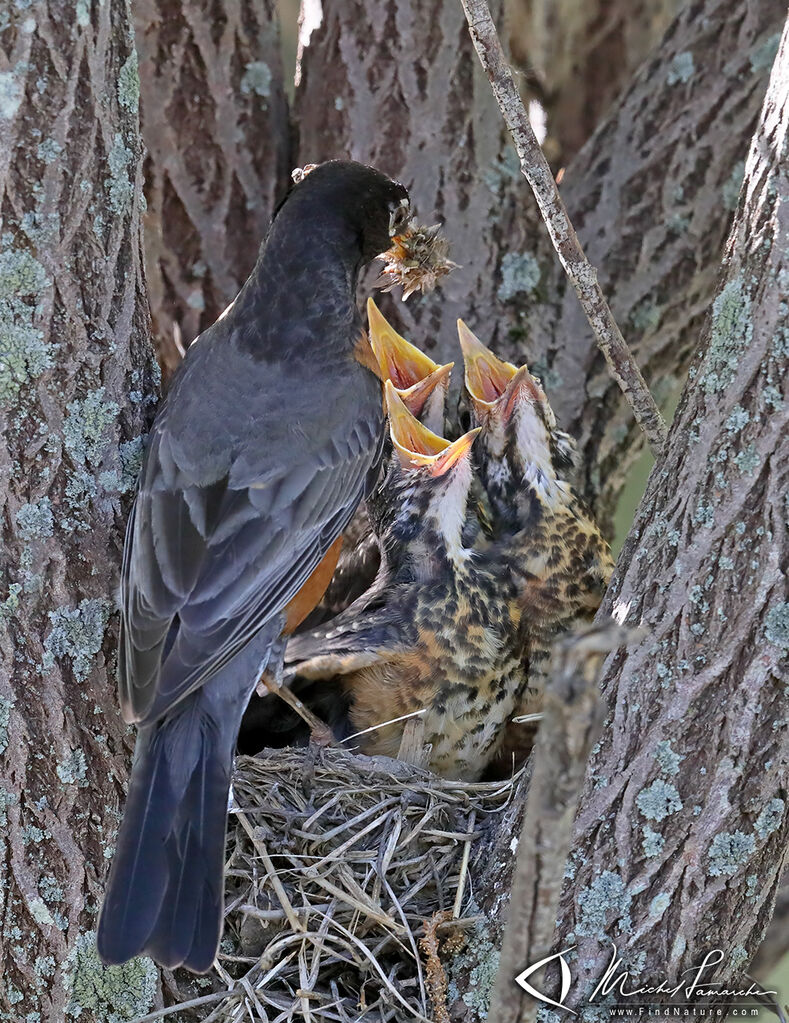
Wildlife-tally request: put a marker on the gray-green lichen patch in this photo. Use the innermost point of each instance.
(85, 425)
(83, 13)
(76, 633)
(119, 185)
(35, 520)
(130, 456)
(646, 316)
(24, 355)
(737, 419)
(479, 961)
(114, 994)
(10, 94)
(731, 187)
(764, 55)
(771, 817)
(681, 68)
(10, 606)
(256, 78)
(776, 626)
(658, 906)
(605, 895)
(73, 770)
(748, 460)
(5, 714)
(520, 275)
(728, 852)
(667, 759)
(730, 334)
(658, 800)
(129, 83)
(653, 842)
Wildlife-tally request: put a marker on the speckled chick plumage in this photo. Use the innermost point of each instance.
(434, 632)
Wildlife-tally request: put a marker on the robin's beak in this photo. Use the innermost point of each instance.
(490, 381)
(398, 360)
(418, 446)
(416, 396)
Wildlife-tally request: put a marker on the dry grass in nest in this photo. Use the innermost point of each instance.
(344, 874)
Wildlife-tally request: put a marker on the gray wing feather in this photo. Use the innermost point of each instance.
(209, 561)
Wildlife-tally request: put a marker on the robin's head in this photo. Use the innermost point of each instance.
(519, 427)
(421, 383)
(372, 209)
(427, 484)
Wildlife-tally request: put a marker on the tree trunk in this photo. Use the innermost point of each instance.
(77, 382)
(579, 57)
(215, 125)
(651, 194)
(682, 831)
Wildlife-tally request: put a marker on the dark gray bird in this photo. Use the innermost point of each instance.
(266, 443)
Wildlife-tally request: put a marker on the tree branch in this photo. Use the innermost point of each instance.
(681, 833)
(583, 275)
(572, 719)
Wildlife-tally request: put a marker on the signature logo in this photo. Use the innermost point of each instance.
(616, 982)
(566, 980)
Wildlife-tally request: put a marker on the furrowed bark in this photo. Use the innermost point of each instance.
(576, 58)
(77, 381)
(682, 830)
(215, 126)
(572, 718)
(650, 194)
(582, 275)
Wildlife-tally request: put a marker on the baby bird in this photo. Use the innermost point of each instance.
(433, 634)
(526, 467)
(422, 386)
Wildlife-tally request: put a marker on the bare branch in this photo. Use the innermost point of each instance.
(580, 271)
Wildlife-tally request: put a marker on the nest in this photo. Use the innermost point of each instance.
(346, 881)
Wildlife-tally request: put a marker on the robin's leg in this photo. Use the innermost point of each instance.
(271, 681)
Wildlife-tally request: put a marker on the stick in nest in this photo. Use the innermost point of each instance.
(435, 974)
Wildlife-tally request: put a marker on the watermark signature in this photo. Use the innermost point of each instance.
(699, 984)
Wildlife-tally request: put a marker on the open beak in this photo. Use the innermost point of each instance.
(398, 360)
(418, 446)
(490, 381)
(416, 396)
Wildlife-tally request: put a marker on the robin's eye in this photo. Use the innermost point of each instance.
(399, 218)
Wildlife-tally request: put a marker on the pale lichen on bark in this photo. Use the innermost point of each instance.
(703, 572)
(77, 383)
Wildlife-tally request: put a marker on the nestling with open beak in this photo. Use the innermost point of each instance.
(432, 634)
(525, 464)
(422, 385)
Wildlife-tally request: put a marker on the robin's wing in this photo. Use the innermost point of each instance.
(208, 561)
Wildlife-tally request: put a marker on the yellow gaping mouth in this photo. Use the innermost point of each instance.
(399, 361)
(418, 446)
(489, 379)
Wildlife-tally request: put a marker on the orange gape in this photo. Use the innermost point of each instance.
(311, 592)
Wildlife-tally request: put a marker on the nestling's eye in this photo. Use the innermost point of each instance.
(399, 218)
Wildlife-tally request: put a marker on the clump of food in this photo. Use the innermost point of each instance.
(418, 259)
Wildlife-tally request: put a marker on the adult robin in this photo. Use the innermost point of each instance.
(270, 434)
(526, 465)
(432, 635)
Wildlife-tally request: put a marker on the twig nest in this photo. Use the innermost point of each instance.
(337, 867)
(418, 259)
